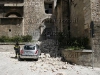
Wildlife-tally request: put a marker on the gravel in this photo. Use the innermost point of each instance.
(46, 65)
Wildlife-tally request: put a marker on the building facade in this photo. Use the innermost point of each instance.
(83, 20)
(11, 17)
(42, 18)
(87, 13)
(27, 17)
(62, 16)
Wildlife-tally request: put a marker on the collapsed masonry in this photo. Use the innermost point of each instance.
(22, 17)
(49, 46)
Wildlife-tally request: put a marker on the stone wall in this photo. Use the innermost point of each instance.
(11, 18)
(95, 16)
(58, 16)
(32, 14)
(80, 57)
(10, 30)
(61, 13)
(34, 17)
(77, 18)
(87, 17)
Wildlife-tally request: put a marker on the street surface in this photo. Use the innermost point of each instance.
(44, 66)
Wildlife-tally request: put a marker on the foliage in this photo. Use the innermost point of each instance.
(73, 43)
(26, 38)
(4, 38)
(81, 42)
(16, 38)
(61, 39)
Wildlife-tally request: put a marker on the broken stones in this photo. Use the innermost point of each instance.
(64, 67)
(42, 55)
(49, 46)
(47, 55)
(54, 70)
(59, 74)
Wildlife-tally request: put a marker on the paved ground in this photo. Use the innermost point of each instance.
(44, 66)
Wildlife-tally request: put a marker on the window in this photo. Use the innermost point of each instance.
(48, 8)
(9, 30)
(50, 5)
(29, 47)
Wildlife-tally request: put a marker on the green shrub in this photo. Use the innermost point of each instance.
(79, 42)
(4, 39)
(26, 38)
(16, 38)
(74, 42)
(62, 39)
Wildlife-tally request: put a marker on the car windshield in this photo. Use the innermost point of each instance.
(29, 47)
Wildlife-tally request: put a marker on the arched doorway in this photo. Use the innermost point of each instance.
(48, 43)
(47, 29)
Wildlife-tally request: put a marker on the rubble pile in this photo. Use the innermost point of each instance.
(49, 46)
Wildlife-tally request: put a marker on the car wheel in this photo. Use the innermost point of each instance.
(19, 59)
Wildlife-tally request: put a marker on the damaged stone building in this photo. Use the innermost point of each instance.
(27, 17)
(11, 17)
(43, 18)
(83, 21)
(88, 23)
